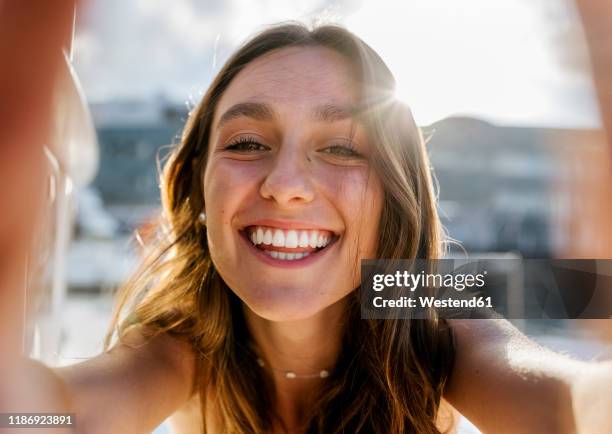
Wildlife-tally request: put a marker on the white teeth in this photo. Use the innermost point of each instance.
(267, 239)
(291, 240)
(321, 241)
(304, 239)
(279, 238)
(313, 239)
(286, 256)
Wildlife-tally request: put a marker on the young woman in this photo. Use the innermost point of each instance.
(297, 164)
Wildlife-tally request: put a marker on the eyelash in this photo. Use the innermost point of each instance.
(349, 146)
(237, 145)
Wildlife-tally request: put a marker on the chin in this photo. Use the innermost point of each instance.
(280, 305)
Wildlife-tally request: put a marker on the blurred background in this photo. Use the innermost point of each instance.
(502, 89)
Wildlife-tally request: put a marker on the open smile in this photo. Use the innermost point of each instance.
(288, 245)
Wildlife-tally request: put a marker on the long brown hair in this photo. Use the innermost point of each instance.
(391, 374)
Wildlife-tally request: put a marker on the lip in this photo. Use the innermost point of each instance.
(289, 224)
(315, 256)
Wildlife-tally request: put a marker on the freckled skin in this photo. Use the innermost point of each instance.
(293, 179)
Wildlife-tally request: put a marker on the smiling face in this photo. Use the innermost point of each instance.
(292, 203)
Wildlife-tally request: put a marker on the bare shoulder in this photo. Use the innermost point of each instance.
(132, 387)
(502, 380)
(164, 349)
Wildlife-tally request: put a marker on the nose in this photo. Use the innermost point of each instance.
(288, 182)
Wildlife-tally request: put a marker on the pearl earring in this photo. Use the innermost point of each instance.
(202, 218)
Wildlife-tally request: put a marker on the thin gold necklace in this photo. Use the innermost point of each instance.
(291, 375)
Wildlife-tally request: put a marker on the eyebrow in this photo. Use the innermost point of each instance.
(264, 112)
(255, 110)
(333, 112)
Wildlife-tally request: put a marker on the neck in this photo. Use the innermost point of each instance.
(304, 346)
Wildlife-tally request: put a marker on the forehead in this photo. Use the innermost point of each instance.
(293, 79)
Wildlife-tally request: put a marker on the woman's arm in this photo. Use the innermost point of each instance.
(133, 387)
(505, 383)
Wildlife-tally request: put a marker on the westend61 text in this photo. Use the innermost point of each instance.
(430, 301)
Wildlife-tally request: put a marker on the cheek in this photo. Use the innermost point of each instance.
(358, 195)
(227, 184)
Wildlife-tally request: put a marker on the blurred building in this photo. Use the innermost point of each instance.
(501, 188)
(124, 195)
(135, 135)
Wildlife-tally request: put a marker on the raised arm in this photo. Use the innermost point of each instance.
(133, 387)
(505, 383)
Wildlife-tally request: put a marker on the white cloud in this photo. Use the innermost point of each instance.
(495, 59)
